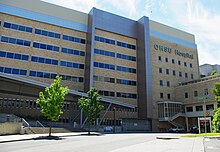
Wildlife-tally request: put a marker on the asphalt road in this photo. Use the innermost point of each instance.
(108, 143)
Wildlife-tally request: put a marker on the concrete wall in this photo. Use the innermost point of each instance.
(10, 128)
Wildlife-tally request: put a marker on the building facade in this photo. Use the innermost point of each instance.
(137, 66)
(206, 69)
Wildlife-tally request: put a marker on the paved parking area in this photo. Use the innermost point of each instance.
(212, 144)
(137, 142)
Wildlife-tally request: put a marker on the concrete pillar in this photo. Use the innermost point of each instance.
(187, 124)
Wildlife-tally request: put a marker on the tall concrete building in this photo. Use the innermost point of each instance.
(137, 66)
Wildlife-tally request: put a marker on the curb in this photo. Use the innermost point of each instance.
(167, 138)
(6, 141)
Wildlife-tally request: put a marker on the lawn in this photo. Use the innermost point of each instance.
(203, 135)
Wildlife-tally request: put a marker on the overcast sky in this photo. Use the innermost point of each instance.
(199, 17)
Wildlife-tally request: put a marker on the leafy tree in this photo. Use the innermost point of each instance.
(214, 72)
(91, 106)
(51, 102)
(216, 116)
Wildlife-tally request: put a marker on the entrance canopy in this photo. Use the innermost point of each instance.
(13, 84)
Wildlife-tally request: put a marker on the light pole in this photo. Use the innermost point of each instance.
(114, 120)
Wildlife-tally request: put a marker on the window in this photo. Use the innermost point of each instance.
(126, 69)
(10, 70)
(195, 93)
(14, 55)
(44, 60)
(192, 76)
(174, 73)
(18, 27)
(168, 96)
(189, 109)
(71, 64)
(41, 74)
(47, 33)
(166, 59)
(185, 64)
(173, 61)
(74, 39)
(126, 95)
(126, 82)
(206, 91)
(161, 82)
(72, 51)
(190, 65)
(126, 57)
(199, 108)
(160, 70)
(126, 45)
(104, 40)
(168, 83)
(159, 58)
(104, 65)
(186, 95)
(161, 95)
(15, 41)
(186, 75)
(72, 78)
(167, 71)
(46, 46)
(179, 62)
(104, 52)
(210, 107)
(180, 74)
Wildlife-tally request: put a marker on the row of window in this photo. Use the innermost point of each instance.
(118, 94)
(112, 80)
(46, 46)
(174, 73)
(71, 64)
(167, 84)
(18, 27)
(104, 65)
(162, 95)
(173, 61)
(41, 74)
(112, 54)
(44, 60)
(105, 40)
(126, 82)
(15, 41)
(74, 39)
(126, 57)
(16, 71)
(74, 52)
(104, 52)
(110, 41)
(72, 78)
(126, 69)
(126, 45)
(195, 93)
(12, 55)
(47, 33)
(200, 108)
(103, 79)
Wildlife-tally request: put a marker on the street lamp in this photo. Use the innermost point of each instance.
(114, 120)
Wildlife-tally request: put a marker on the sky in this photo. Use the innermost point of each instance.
(198, 17)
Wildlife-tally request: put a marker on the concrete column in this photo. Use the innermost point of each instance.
(187, 124)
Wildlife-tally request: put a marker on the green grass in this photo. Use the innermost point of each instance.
(202, 135)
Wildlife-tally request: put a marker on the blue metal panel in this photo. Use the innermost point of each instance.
(114, 23)
(42, 18)
(173, 39)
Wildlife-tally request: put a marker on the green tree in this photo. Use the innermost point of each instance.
(214, 72)
(51, 101)
(216, 116)
(91, 106)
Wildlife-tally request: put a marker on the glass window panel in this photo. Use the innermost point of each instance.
(21, 28)
(15, 71)
(28, 29)
(10, 55)
(17, 56)
(2, 54)
(24, 57)
(14, 26)
(7, 25)
(33, 73)
(7, 70)
(55, 62)
(23, 72)
(36, 45)
(13, 41)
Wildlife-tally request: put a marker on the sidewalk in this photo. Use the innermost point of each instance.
(13, 138)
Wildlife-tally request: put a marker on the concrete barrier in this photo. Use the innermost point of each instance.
(10, 128)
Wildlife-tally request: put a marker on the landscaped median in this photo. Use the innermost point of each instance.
(202, 135)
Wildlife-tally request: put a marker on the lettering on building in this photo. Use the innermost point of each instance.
(185, 55)
(162, 48)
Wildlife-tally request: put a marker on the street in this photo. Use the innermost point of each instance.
(137, 142)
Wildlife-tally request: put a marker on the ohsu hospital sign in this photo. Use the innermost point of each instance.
(169, 50)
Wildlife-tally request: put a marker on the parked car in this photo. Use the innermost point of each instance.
(177, 130)
(108, 129)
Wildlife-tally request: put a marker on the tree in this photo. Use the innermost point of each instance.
(216, 116)
(51, 102)
(91, 106)
(214, 72)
